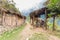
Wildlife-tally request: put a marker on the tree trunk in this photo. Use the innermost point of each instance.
(53, 23)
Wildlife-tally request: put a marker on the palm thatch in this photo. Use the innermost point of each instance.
(11, 12)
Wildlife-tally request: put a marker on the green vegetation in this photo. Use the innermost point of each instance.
(57, 33)
(12, 34)
(37, 36)
(8, 4)
(54, 5)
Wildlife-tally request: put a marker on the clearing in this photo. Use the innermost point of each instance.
(30, 33)
(27, 32)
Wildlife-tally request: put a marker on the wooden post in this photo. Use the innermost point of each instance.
(53, 22)
(16, 20)
(3, 14)
(1, 17)
(46, 19)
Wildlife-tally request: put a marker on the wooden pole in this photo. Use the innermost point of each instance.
(16, 21)
(3, 18)
(53, 23)
(46, 19)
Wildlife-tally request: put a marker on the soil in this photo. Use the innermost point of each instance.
(29, 30)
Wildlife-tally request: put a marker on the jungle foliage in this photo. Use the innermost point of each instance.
(8, 4)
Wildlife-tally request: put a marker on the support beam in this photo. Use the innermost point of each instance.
(53, 23)
(46, 19)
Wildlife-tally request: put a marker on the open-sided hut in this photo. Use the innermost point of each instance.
(10, 18)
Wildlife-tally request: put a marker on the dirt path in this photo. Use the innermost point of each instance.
(28, 31)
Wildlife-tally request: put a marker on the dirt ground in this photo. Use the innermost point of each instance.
(29, 30)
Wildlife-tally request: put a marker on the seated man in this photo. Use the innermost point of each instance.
(39, 22)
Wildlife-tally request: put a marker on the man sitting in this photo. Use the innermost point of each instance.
(40, 22)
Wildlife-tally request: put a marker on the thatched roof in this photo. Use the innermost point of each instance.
(2, 9)
(10, 12)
